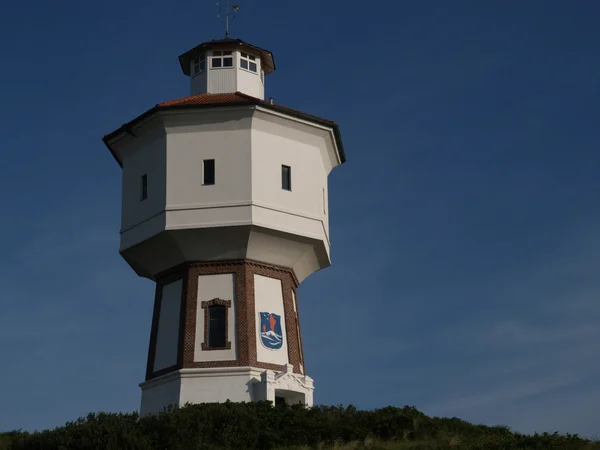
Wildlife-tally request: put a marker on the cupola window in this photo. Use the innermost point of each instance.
(248, 62)
(198, 65)
(221, 58)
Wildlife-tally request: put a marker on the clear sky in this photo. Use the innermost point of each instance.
(465, 225)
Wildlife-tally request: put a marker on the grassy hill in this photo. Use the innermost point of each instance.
(261, 426)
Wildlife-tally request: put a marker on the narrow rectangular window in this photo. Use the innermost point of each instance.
(216, 335)
(286, 178)
(209, 172)
(217, 326)
(144, 187)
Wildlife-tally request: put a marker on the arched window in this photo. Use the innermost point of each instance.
(216, 324)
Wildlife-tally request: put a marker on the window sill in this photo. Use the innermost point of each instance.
(207, 348)
(248, 70)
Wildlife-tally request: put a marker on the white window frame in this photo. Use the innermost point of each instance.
(249, 60)
(221, 55)
(197, 65)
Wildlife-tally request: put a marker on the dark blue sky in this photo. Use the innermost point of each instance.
(464, 226)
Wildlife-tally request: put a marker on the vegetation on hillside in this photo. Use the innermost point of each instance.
(261, 426)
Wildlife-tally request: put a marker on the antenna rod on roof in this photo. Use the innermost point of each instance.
(234, 8)
(226, 19)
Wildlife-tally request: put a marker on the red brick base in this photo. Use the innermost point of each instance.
(243, 271)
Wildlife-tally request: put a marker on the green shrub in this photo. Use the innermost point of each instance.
(262, 426)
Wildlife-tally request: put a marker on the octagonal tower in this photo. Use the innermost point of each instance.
(224, 206)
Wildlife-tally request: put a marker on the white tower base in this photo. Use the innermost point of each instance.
(237, 384)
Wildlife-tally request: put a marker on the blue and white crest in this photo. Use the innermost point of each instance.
(271, 335)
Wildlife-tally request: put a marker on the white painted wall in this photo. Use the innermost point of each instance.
(249, 82)
(209, 287)
(238, 384)
(220, 135)
(274, 145)
(262, 85)
(167, 338)
(143, 230)
(249, 146)
(268, 297)
(302, 255)
(159, 394)
(199, 83)
(206, 387)
(146, 157)
(221, 80)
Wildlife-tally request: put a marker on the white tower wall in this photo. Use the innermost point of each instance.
(145, 155)
(246, 206)
(227, 257)
(223, 136)
(273, 145)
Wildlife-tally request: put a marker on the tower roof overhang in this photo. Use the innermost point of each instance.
(208, 101)
(268, 63)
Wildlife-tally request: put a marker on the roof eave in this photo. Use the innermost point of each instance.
(112, 152)
(126, 128)
(250, 101)
(323, 122)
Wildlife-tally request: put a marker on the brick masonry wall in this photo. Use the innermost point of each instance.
(244, 271)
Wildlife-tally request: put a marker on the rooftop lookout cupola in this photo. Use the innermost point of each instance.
(226, 66)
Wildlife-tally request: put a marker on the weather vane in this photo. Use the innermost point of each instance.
(234, 8)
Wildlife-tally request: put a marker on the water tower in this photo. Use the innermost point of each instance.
(224, 206)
